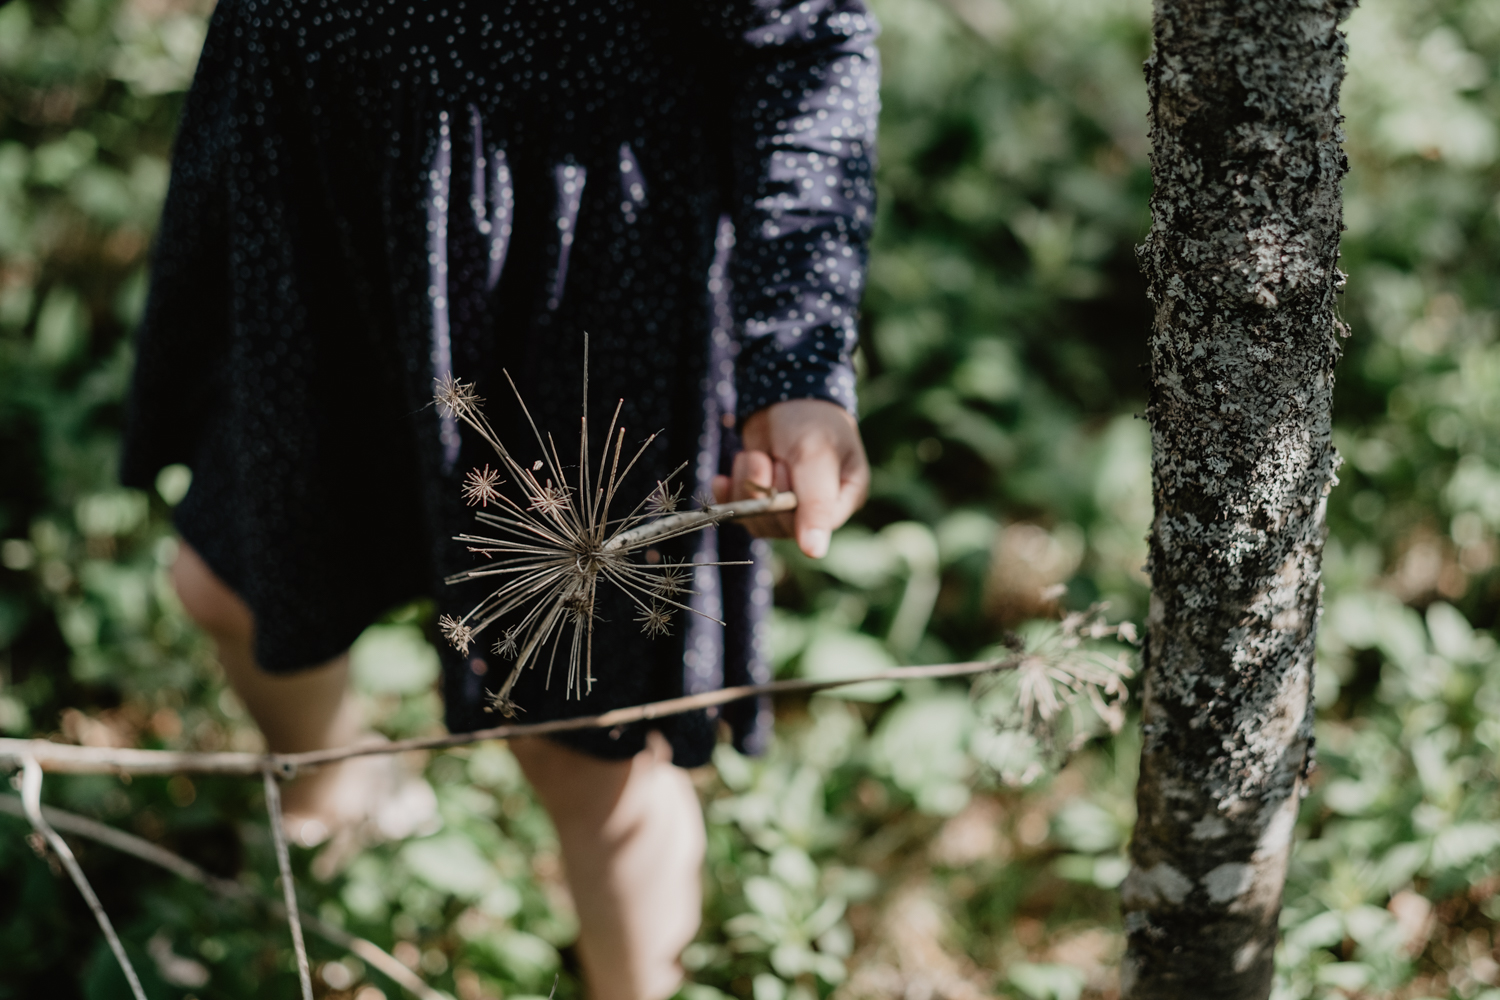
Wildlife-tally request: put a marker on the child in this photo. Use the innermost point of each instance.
(369, 197)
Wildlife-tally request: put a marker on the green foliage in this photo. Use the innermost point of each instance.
(893, 839)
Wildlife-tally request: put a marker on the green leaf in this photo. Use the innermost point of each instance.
(393, 658)
(1047, 982)
(835, 654)
(450, 863)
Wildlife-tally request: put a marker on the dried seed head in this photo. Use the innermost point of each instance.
(663, 500)
(656, 620)
(501, 703)
(455, 398)
(479, 487)
(550, 499)
(459, 635)
(551, 549)
(671, 580)
(508, 643)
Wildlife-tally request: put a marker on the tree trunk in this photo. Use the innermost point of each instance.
(1240, 262)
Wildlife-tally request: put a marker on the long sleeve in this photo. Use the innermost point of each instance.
(803, 135)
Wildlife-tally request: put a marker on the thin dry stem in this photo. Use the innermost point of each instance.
(127, 843)
(31, 799)
(288, 885)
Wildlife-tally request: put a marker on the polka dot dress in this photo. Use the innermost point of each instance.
(369, 196)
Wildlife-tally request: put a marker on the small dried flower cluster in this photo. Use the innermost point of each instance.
(663, 500)
(655, 620)
(508, 645)
(1069, 683)
(459, 635)
(550, 549)
(481, 487)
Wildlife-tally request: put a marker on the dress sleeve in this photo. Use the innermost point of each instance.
(806, 98)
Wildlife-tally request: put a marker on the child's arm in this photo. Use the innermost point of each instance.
(808, 446)
(803, 125)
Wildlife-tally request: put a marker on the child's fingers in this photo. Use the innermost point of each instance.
(820, 508)
(756, 475)
(854, 484)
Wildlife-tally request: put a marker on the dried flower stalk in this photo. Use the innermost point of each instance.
(1064, 686)
(1061, 671)
(550, 550)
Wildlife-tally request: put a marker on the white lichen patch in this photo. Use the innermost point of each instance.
(1210, 828)
(1144, 887)
(1228, 881)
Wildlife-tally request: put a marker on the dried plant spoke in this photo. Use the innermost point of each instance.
(641, 596)
(642, 511)
(488, 544)
(508, 567)
(604, 457)
(523, 526)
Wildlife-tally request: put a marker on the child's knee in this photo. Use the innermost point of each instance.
(218, 610)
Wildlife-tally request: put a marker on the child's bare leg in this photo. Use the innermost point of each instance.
(633, 844)
(309, 710)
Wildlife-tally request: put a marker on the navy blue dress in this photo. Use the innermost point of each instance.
(367, 196)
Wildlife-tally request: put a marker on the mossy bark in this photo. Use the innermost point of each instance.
(1241, 265)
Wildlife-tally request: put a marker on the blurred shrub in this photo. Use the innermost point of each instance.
(892, 840)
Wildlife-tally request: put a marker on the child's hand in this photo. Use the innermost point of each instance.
(808, 446)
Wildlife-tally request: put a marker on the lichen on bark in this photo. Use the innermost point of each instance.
(1241, 265)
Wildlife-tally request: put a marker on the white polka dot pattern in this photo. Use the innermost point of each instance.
(369, 193)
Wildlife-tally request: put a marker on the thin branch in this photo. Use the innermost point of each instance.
(104, 760)
(31, 800)
(288, 886)
(692, 520)
(128, 843)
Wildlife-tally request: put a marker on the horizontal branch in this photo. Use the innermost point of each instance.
(66, 758)
(81, 826)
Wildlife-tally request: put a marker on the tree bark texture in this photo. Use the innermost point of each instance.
(1241, 266)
